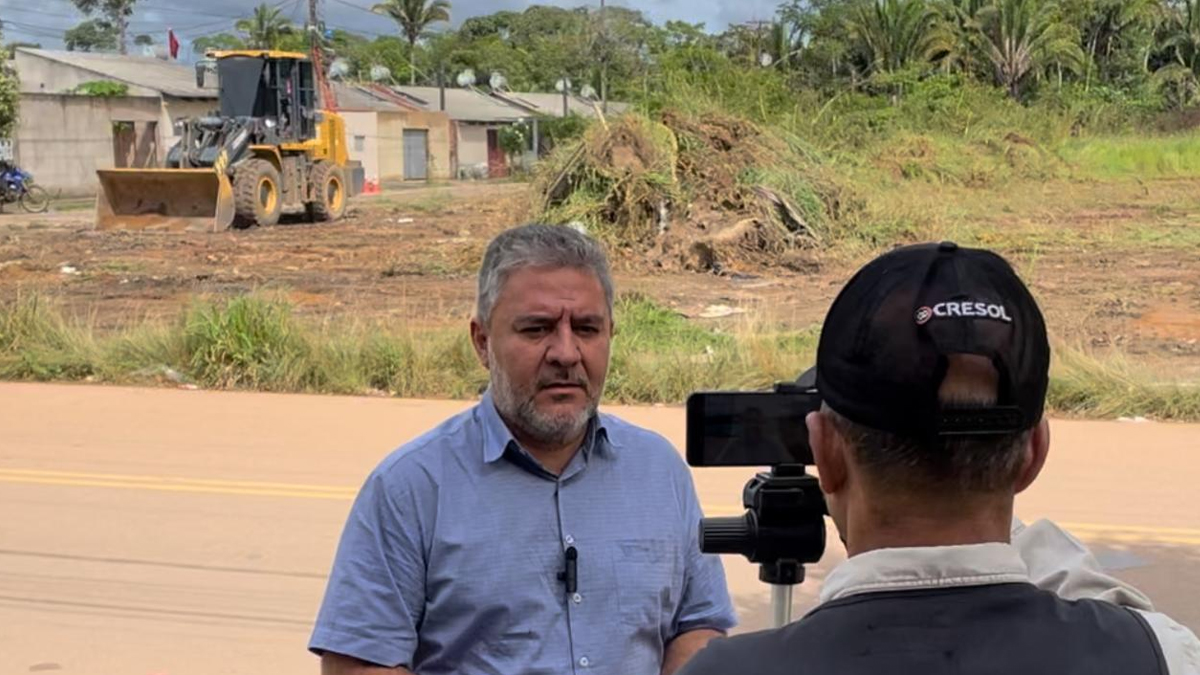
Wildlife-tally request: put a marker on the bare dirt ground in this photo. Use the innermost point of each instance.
(1114, 266)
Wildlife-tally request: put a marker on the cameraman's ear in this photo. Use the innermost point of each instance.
(828, 452)
(1035, 456)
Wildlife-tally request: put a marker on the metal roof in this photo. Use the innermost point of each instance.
(353, 98)
(552, 104)
(168, 77)
(465, 105)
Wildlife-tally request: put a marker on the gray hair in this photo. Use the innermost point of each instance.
(536, 245)
(969, 465)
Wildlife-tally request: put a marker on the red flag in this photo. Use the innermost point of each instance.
(173, 42)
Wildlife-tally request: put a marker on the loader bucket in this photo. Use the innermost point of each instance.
(164, 199)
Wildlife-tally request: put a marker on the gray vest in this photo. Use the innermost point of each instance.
(1004, 629)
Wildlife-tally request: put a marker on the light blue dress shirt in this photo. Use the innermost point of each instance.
(450, 559)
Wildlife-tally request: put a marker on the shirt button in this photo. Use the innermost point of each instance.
(570, 540)
(585, 662)
(577, 598)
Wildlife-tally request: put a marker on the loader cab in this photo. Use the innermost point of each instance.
(278, 88)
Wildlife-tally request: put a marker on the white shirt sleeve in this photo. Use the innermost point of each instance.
(1061, 564)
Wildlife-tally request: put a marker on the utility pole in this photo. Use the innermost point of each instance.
(318, 58)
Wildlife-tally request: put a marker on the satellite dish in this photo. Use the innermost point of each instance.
(588, 92)
(563, 84)
(339, 69)
(380, 73)
(497, 81)
(765, 60)
(466, 78)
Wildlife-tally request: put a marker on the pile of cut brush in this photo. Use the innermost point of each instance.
(707, 193)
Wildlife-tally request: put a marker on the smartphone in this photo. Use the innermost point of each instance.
(749, 428)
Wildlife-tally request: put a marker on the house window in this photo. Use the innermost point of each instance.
(360, 143)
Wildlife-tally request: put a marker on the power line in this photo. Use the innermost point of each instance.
(360, 8)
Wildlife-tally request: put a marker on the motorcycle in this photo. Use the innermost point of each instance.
(16, 185)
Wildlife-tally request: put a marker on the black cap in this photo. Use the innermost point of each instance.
(884, 346)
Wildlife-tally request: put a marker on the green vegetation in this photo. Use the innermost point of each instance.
(255, 342)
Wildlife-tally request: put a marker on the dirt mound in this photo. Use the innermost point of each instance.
(705, 193)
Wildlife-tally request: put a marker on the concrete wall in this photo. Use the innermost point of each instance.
(363, 127)
(63, 140)
(44, 76)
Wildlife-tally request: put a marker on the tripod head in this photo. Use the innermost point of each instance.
(782, 530)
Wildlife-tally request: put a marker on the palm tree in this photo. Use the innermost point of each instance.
(266, 29)
(1022, 36)
(1181, 38)
(1113, 24)
(414, 18)
(893, 34)
(960, 22)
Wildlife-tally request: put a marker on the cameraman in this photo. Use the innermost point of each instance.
(933, 367)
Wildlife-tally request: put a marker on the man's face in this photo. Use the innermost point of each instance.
(546, 346)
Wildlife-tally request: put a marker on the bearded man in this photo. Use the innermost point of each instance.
(531, 533)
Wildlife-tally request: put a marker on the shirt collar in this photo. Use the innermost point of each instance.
(497, 437)
(895, 569)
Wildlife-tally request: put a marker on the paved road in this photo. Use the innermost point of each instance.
(162, 532)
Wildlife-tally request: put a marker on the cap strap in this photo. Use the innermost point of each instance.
(993, 421)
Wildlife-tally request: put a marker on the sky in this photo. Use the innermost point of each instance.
(45, 20)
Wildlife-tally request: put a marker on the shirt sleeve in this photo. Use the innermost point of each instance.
(1061, 564)
(374, 599)
(705, 603)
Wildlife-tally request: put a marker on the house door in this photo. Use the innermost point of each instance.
(416, 154)
(497, 167)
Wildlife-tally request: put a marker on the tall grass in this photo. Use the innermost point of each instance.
(255, 342)
(1145, 157)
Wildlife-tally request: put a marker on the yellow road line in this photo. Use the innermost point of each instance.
(171, 484)
(174, 479)
(1087, 531)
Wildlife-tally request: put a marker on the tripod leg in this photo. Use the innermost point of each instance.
(781, 605)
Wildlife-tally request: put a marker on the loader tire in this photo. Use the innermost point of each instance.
(257, 197)
(329, 192)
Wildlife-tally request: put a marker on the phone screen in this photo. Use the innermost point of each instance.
(749, 428)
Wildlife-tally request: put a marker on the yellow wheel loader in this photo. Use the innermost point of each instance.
(266, 152)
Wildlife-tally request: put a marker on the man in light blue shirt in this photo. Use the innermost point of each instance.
(530, 534)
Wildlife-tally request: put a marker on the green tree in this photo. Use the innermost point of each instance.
(91, 35)
(217, 43)
(1118, 36)
(1022, 37)
(1179, 77)
(143, 40)
(266, 29)
(896, 34)
(414, 17)
(10, 96)
(116, 13)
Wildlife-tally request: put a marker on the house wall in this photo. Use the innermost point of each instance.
(43, 76)
(362, 131)
(391, 143)
(472, 150)
(62, 140)
(438, 125)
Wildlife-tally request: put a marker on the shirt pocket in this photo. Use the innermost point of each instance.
(649, 581)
